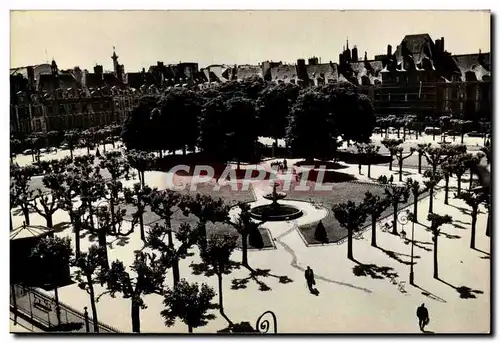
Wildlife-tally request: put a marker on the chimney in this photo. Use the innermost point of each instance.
(31, 76)
(355, 54)
(78, 75)
(389, 50)
(98, 70)
(442, 45)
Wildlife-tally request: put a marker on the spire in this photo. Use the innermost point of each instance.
(347, 43)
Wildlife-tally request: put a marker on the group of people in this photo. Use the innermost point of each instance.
(422, 312)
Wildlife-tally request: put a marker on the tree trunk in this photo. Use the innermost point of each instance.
(71, 153)
(415, 206)
(431, 199)
(142, 179)
(374, 231)
(433, 135)
(104, 146)
(473, 228)
(101, 236)
(404, 134)
(435, 257)
(141, 226)
(221, 304)
(398, 131)
(161, 153)
(10, 216)
(48, 219)
(135, 314)
(420, 163)
(446, 188)
(244, 248)
(459, 184)
(175, 271)
(95, 321)
(183, 151)
(390, 163)
(400, 162)
(190, 329)
(395, 218)
(26, 213)
(488, 224)
(470, 179)
(369, 165)
(462, 138)
(76, 226)
(58, 307)
(112, 211)
(88, 150)
(349, 244)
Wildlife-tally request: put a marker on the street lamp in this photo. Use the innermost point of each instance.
(403, 219)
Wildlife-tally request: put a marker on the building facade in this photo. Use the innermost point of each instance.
(419, 78)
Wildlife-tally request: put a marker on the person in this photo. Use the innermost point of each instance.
(359, 169)
(97, 153)
(309, 274)
(423, 316)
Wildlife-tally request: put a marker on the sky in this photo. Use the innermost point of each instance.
(141, 38)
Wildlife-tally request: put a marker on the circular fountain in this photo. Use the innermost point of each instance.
(275, 211)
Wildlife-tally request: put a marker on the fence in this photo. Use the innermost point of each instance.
(41, 309)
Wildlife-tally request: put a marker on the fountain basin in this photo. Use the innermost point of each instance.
(275, 212)
(275, 196)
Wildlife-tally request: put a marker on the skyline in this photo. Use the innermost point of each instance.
(248, 37)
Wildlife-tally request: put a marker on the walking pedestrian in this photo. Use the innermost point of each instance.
(423, 316)
(309, 275)
(359, 168)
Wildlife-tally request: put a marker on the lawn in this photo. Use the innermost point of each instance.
(341, 192)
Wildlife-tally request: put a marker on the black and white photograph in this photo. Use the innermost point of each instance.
(250, 172)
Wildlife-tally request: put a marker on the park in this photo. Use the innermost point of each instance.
(387, 216)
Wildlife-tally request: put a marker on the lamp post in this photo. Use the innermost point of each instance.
(403, 220)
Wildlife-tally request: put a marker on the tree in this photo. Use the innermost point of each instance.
(390, 144)
(242, 133)
(118, 168)
(353, 112)
(141, 161)
(375, 206)
(487, 152)
(397, 193)
(371, 151)
(398, 152)
(421, 148)
(320, 233)
(352, 217)
(431, 183)
(189, 303)
(464, 126)
(107, 226)
(437, 221)
(87, 139)
(89, 273)
(212, 139)
(459, 165)
(275, 103)
(15, 145)
(472, 161)
(148, 278)
(20, 190)
(447, 170)
(216, 258)
(49, 205)
(53, 255)
(179, 108)
(473, 200)
(72, 139)
(310, 128)
(139, 197)
(206, 209)
(414, 187)
(435, 156)
(169, 253)
(246, 227)
(164, 204)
